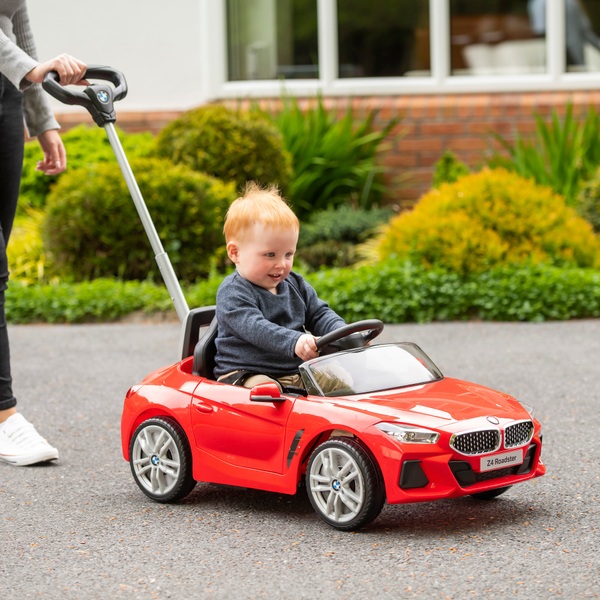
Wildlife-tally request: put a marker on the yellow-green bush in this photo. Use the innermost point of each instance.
(487, 219)
(27, 259)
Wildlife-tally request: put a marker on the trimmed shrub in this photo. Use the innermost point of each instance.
(488, 219)
(229, 145)
(92, 228)
(85, 146)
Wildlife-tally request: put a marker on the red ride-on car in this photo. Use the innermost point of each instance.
(371, 422)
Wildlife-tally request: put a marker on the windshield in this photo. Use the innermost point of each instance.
(369, 369)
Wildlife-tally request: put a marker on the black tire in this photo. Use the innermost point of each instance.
(161, 460)
(344, 484)
(491, 494)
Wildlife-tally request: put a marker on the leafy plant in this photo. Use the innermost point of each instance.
(227, 144)
(563, 154)
(334, 158)
(448, 169)
(588, 201)
(329, 237)
(92, 230)
(485, 220)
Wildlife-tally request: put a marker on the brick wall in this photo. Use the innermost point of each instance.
(429, 125)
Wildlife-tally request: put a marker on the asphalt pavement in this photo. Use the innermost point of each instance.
(80, 528)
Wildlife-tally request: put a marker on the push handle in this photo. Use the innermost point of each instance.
(97, 98)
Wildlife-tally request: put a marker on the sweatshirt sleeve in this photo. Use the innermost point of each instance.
(16, 60)
(321, 318)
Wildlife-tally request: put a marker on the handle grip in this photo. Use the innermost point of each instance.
(98, 99)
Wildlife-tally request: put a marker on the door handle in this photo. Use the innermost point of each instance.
(203, 408)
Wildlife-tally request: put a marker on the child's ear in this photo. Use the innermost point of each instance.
(232, 251)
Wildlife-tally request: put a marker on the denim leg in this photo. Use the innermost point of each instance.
(11, 165)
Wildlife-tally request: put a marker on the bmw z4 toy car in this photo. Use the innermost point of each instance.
(373, 423)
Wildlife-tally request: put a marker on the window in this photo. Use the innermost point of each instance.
(352, 47)
(272, 39)
(383, 38)
(582, 25)
(496, 37)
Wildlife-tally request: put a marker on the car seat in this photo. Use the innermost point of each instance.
(199, 338)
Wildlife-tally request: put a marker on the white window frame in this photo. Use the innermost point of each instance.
(440, 81)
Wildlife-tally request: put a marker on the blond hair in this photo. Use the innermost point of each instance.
(258, 205)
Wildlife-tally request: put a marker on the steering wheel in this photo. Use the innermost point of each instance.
(352, 335)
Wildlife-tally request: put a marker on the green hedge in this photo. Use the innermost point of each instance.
(404, 292)
(392, 292)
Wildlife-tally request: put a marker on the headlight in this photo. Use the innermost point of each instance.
(528, 408)
(408, 434)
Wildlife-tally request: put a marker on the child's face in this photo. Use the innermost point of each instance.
(265, 256)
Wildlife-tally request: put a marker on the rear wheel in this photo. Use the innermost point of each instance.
(161, 460)
(344, 484)
(491, 494)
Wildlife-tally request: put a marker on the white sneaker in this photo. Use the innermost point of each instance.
(21, 444)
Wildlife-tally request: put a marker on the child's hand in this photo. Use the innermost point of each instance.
(306, 347)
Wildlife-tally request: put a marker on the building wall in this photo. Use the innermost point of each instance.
(429, 125)
(156, 44)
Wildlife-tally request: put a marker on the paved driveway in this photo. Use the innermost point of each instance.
(82, 529)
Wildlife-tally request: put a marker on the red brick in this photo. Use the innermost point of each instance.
(401, 160)
(443, 129)
(420, 145)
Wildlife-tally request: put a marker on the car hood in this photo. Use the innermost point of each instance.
(439, 404)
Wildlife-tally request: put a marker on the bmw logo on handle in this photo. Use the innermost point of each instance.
(103, 96)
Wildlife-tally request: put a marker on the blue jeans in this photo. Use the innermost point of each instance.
(11, 165)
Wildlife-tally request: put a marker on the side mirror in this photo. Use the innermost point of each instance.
(266, 392)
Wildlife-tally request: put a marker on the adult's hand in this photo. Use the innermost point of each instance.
(70, 70)
(55, 156)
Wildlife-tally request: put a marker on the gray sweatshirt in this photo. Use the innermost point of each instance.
(17, 57)
(258, 330)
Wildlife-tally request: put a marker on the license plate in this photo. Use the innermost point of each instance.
(501, 461)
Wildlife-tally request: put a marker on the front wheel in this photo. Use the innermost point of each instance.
(161, 461)
(344, 484)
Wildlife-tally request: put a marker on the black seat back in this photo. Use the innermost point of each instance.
(199, 337)
(205, 351)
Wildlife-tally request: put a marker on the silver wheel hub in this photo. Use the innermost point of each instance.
(337, 485)
(155, 460)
